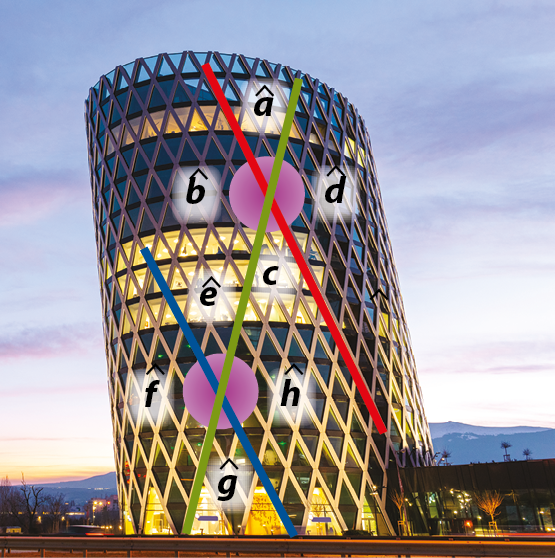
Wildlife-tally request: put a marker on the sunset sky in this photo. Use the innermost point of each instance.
(458, 98)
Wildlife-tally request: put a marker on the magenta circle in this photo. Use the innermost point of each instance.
(242, 390)
(246, 197)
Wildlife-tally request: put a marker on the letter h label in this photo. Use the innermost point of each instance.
(287, 389)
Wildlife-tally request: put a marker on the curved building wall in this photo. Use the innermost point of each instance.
(149, 122)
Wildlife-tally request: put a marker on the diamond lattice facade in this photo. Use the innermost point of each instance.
(150, 120)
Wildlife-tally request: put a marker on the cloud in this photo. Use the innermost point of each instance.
(450, 122)
(21, 298)
(56, 390)
(30, 197)
(457, 212)
(461, 233)
(43, 439)
(520, 369)
(492, 358)
(48, 342)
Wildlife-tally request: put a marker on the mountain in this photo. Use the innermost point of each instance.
(473, 444)
(80, 492)
(99, 482)
(438, 429)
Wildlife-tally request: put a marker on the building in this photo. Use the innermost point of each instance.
(456, 499)
(149, 121)
(97, 509)
(11, 530)
(104, 512)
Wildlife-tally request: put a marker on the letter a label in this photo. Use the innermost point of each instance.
(264, 105)
(267, 103)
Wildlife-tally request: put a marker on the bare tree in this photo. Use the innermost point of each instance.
(398, 499)
(26, 505)
(264, 512)
(527, 453)
(55, 507)
(488, 502)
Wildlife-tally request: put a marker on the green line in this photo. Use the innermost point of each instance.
(241, 308)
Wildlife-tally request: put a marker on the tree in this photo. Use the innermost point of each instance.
(488, 502)
(26, 504)
(55, 507)
(88, 509)
(398, 499)
(445, 455)
(527, 453)
(6, 495)
(506, 446)
(264, 512)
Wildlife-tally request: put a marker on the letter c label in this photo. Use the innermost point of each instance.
(266, 275)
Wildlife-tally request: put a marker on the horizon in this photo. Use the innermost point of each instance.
(77, 478)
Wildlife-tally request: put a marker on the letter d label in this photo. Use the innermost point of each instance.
(340, 187)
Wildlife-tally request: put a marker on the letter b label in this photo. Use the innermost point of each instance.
(195, 194)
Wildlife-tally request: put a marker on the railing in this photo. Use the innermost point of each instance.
(310, 546)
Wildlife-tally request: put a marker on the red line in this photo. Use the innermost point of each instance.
(298, 255)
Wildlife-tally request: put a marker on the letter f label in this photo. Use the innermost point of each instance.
(150, 391)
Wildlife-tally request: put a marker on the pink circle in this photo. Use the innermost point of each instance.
(242, 390)
(246, 197)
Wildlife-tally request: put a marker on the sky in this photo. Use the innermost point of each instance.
(458, 98)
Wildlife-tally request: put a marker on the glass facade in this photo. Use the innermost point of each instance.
(520, 495)
(147, 122)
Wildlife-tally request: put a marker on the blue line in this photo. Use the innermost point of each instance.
(228, 409)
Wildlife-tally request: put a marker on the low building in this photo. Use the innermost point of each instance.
(519, 495)
(97, 506)
(10, 530)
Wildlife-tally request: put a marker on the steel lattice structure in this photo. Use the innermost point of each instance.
(150, 120)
